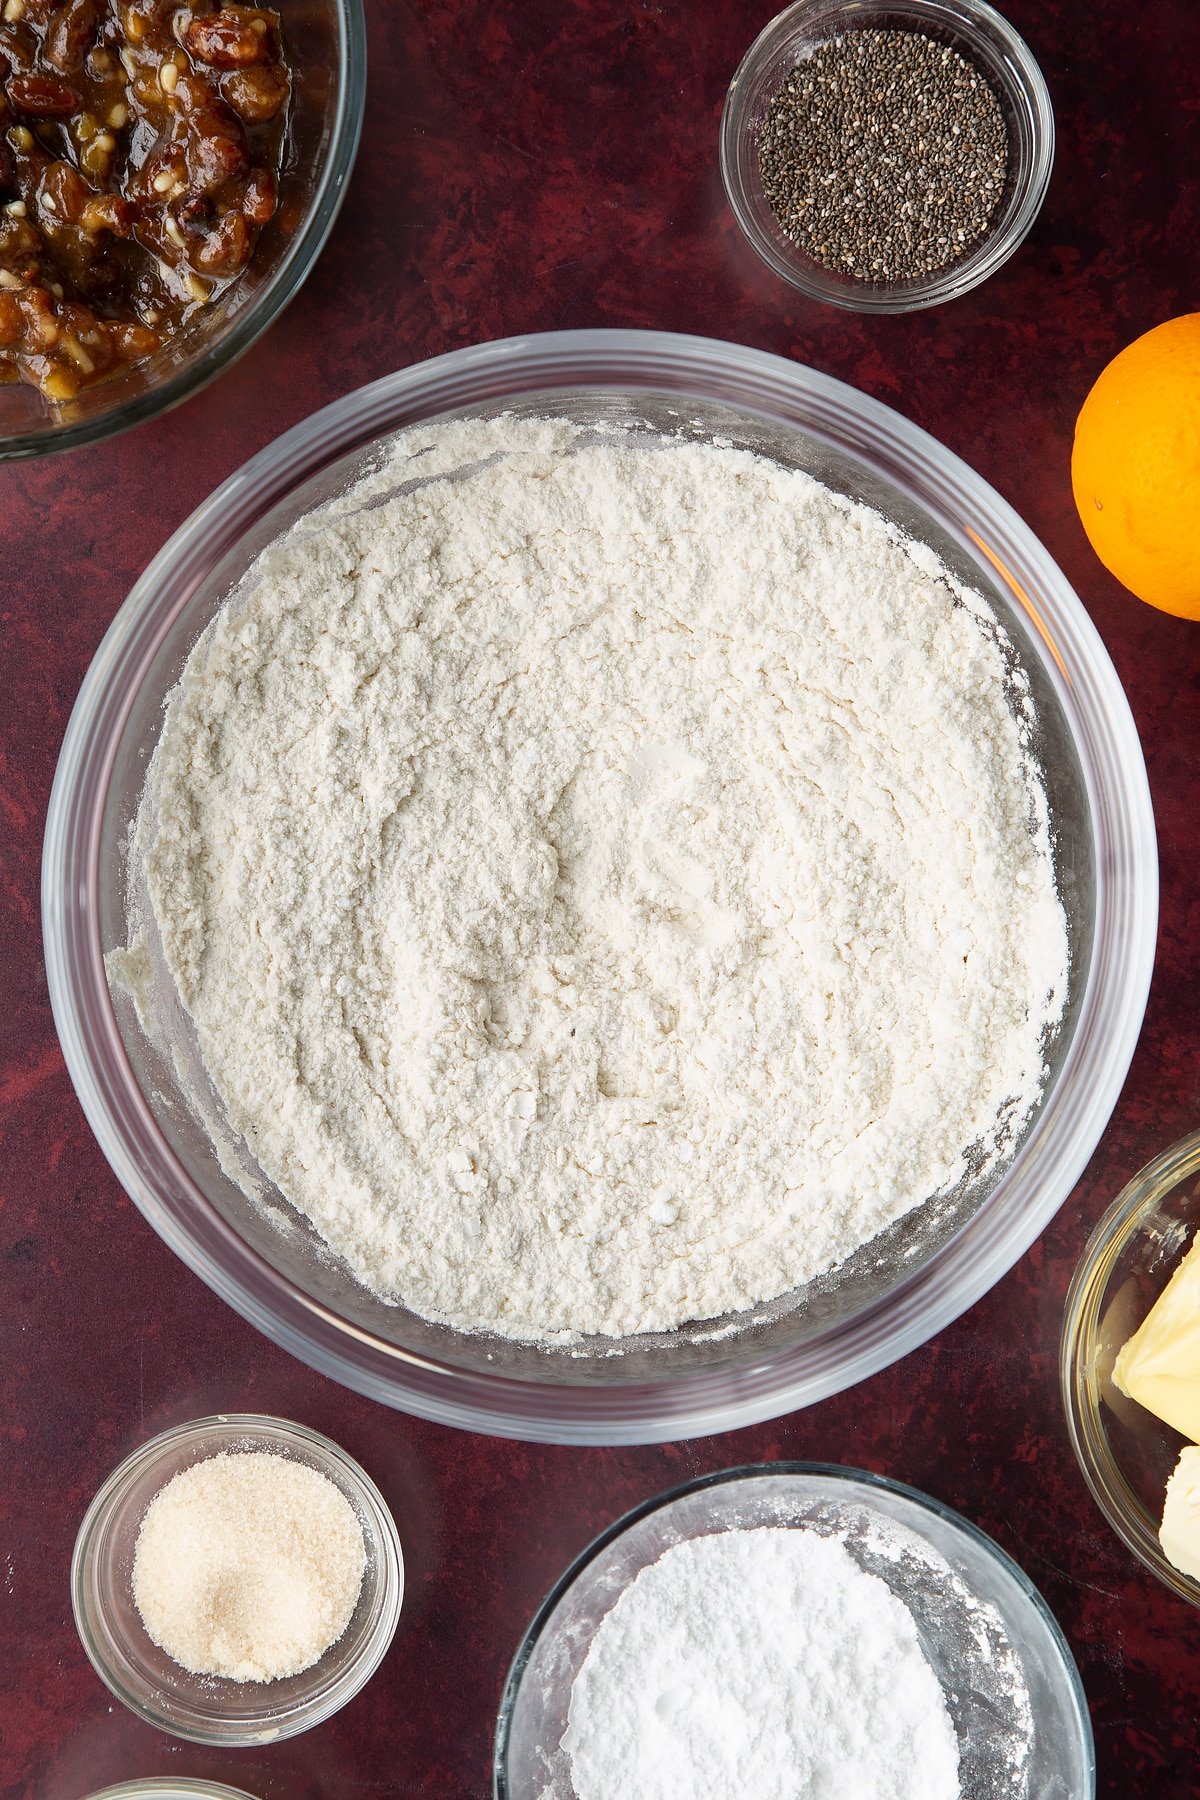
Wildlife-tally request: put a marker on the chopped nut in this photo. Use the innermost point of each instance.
(105, 141)
(77, 354)
(119, 116)
(256, 94)
(171, 227)
(14, 11)
(162, 181)
(168, 75)
(199, 290)
(8, 280)
(16, 209)
(225, 250)
(109, 212)
(259, 203)
(132, 342)
(231, 39)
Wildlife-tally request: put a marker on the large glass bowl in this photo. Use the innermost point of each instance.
(1012, 1689)
(327, 48)
(899, 1289)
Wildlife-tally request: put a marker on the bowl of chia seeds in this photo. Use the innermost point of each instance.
(887, 156)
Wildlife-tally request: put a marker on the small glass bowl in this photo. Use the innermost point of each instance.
(1011, 1686)
(1126, 1454)
(162, 1787)
(983, 37)
(327, 46)
(209, 1709)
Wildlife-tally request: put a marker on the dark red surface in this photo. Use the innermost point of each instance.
(528, 164)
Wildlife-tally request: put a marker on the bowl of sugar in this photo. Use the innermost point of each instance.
(237, 1579)
(793, 1621)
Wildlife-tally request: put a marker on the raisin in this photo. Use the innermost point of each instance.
(197, 214)
(73, 29)
(11, 320)
(64, 193)
(20, 242)
(42, 94)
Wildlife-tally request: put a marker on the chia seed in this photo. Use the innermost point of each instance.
(884, 155)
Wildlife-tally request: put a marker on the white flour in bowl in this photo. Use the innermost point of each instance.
(763, 1663)
(610, 883)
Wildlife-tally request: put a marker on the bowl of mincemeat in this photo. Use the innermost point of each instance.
(168, 176)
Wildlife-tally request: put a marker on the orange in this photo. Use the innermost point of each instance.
(1135, 466)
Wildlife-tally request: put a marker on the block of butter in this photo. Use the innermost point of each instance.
(1180, 1533)
(1160, 1365)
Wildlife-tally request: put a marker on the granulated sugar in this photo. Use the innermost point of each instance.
(248, 1565)
(607, 875)
(762, 1663)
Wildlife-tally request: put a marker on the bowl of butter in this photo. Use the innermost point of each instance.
(1131, 1366)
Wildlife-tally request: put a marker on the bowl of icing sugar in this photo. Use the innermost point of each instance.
(530, 908)
(794, 1628)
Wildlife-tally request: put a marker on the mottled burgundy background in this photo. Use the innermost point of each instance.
(528, 164)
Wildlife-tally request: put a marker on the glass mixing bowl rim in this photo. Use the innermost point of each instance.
(1107, 1027)
(172, 1787)
(1015, 68)
(348, 1681)
(278, 288)
(839, 1475)
(1120, 1507)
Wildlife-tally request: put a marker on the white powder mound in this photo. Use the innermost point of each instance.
(248, 1565)
(609, 885)
(759, 1662)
